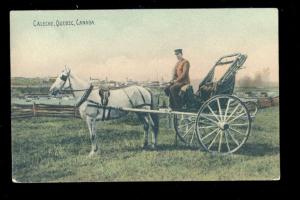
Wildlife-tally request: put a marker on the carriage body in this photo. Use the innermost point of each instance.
(215, 82)
(221, 122)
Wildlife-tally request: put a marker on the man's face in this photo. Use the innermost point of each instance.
(179, 56)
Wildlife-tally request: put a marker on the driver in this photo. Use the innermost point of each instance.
(179, 79)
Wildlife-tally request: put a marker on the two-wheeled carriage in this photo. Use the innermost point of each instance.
(213, 118)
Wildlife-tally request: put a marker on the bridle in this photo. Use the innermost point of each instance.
(66, 78)
(87, 91)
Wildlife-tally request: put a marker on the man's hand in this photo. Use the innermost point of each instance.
(172, 82)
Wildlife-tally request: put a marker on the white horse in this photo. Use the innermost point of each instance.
(95, 105)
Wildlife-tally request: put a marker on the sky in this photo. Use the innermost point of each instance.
(139, 44)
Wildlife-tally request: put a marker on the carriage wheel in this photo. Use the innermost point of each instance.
(185, 129)
(252, 107)
(223, 124)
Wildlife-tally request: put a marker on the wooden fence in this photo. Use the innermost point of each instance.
(43, 110)
(47, 110)
(268, 102)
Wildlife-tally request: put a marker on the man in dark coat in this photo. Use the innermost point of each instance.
(179, 79)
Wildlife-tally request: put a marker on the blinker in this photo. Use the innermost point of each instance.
(63, 77)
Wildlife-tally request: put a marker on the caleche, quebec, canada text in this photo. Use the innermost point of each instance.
(58, 23)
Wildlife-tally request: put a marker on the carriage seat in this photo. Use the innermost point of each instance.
(185, 87)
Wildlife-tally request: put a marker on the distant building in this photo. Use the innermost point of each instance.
(131, 82)
(153, 84)
(95, 81)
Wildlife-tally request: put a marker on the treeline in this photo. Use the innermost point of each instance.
(260, 79)
(22, 81)
(21, 91)
(21, 86)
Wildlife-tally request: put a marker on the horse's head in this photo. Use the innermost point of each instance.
(104, 95)
(61, 82)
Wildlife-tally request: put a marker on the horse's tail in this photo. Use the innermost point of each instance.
(151, 98)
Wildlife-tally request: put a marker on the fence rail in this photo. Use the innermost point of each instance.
(68, 111)
(43, 110)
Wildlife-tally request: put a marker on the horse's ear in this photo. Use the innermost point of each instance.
(68, 70)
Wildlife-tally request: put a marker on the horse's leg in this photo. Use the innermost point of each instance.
(144, 119)
(154, 122)
(91, 124)
(146, 132)
(94, 131)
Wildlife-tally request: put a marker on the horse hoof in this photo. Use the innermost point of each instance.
(153, 147)
(145, 146)
(91, 154)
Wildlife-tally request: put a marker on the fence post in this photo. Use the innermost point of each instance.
(34, 109)
(170, 117)
(74, 111)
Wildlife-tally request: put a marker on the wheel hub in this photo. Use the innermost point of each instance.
(223, 125)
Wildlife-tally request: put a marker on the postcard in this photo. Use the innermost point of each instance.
(144, 95)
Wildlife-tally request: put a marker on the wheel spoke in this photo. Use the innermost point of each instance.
(208, 127)
(220, 110)
(226, 139)
(191, 141)
(214, 114)
(233, 138)
(186, 128)
(187, 131)
(210, 133)
(213, 141)
(246, 124)
(209, 119)
(228, 103)
(206, 123)
(233, 111)
(220, 141)
(183, 125)
(236, 117)
(237, 131)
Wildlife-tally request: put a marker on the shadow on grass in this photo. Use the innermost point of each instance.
(174, 147)
(251, 149)
(161, 148)
(111, 135)
(247, 149)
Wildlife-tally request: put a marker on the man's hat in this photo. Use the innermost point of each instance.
(177, 51)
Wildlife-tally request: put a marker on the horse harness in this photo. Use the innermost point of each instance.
(104, 106)
(140, 105)
(101, 91)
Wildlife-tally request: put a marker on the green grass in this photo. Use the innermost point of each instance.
(55, 150)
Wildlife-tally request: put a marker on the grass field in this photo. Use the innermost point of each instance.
(55, 150)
